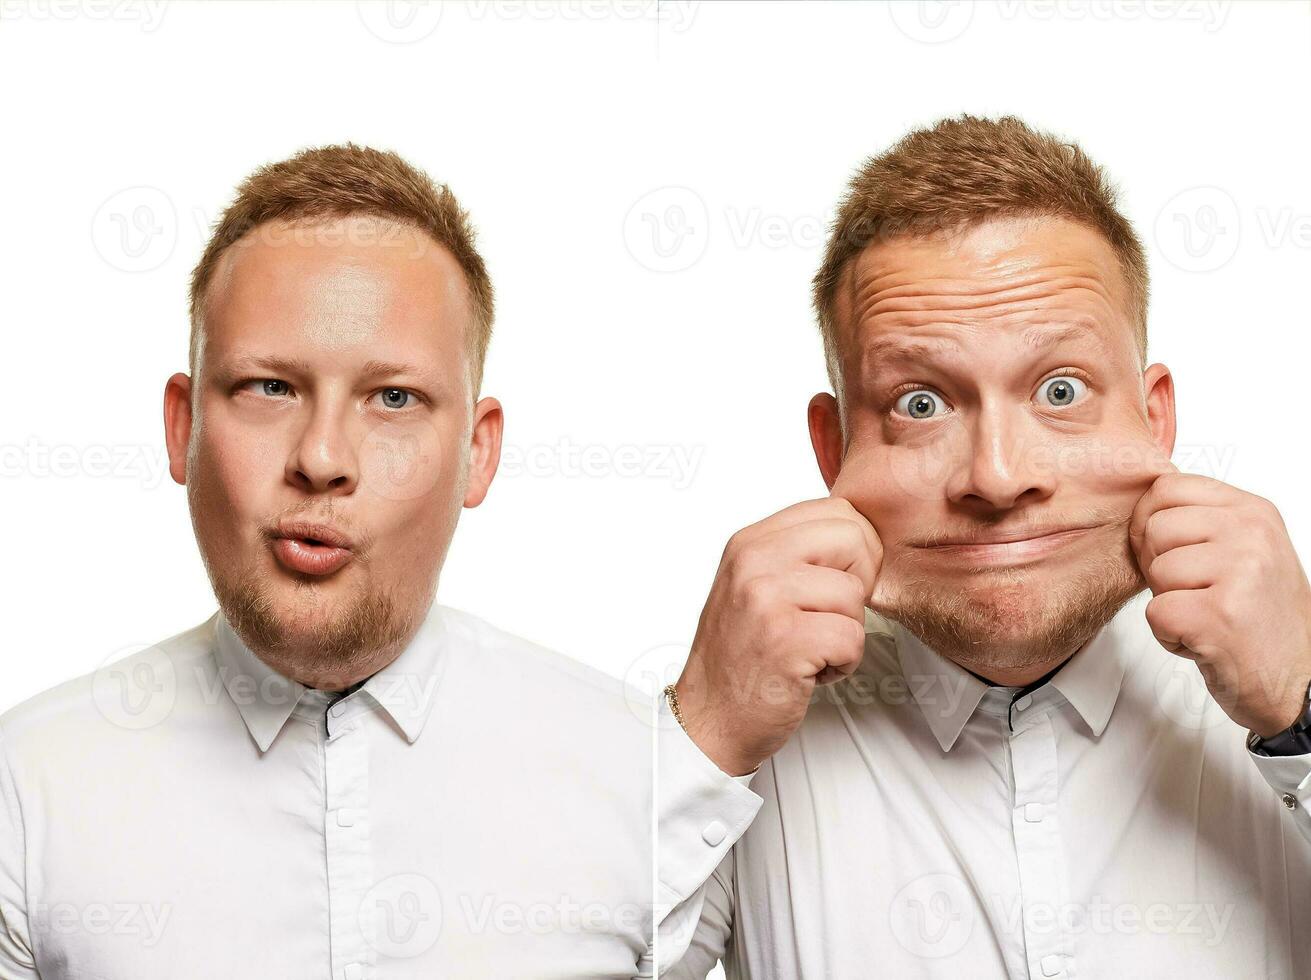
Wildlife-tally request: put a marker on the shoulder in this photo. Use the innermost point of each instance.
(128, 692)
(537, 677)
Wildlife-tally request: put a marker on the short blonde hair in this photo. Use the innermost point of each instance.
(341, 181)
(963, 171)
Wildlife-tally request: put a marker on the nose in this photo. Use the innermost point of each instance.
(323, 459)
(1002, 466)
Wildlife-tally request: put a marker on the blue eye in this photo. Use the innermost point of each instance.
(1062, 391)
(390, 397)
(920, 404)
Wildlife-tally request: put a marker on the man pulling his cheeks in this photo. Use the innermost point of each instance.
(997, 770)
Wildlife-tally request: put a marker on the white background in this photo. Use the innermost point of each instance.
(655, 387)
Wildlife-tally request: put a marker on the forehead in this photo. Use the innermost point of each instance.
(337, 284)
(1032, 281)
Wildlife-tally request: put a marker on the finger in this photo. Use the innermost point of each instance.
(1172, 616)
(1193, 566)
(837, 645)
(815, 588)
(1176, 527)
(835, 542)
(820, 508)
(1176, 490)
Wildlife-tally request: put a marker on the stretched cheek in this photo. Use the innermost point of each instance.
(899, 478)
(1111, 467)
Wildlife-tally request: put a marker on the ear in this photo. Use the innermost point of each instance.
(1158, 388)
(484, 449)
(177, 424)
(826, 436)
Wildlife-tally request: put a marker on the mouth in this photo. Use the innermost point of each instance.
(1014, 548)
(312, 549)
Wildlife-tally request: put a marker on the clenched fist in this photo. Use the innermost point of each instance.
(1229, 593)
(786, 612)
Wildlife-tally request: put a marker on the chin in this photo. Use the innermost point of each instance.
(1017, 617)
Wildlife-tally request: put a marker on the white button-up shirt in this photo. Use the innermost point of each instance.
(1111, 823)
(478, 808)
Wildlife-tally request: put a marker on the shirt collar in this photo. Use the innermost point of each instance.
(948, 695)
(403, 689)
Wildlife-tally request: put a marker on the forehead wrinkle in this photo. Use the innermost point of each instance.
(932, 297)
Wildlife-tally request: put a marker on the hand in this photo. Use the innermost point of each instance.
(786, 612)
(1229, 593)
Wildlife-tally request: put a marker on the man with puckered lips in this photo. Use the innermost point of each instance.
(333, 776)
(1018, 698)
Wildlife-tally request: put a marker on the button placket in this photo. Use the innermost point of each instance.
(1038, 847)
(347, 845)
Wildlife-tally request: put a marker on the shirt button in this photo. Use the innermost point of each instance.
(344, 818)
(1051, 965)
(1024, 702)
(337, 709)
(714, 833)
(1290, 801)
(1033, 812)
(353, 971)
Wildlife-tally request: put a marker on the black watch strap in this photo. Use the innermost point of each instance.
(1294, 740)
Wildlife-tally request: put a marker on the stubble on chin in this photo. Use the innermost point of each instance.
(350, 641)
(1014, 619)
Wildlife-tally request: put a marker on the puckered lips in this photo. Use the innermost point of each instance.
(309, 548)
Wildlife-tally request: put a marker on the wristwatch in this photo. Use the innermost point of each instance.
(1293, 740)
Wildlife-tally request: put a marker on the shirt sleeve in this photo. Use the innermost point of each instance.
(701, 813)
(1290, 777)
(16, 959)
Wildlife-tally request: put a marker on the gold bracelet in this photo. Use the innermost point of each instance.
(671, 695)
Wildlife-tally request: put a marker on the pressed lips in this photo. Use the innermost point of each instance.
(1009, 548)
(311, 549)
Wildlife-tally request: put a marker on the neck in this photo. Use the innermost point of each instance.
(1027, 676)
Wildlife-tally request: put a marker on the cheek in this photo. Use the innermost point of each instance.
(1106, 465)
(232, 471)
(408, 460)
(901, 478)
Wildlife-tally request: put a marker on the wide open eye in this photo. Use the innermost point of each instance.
(1061, 391)
(921, 404)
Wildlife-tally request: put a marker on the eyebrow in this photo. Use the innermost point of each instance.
(373, 368)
